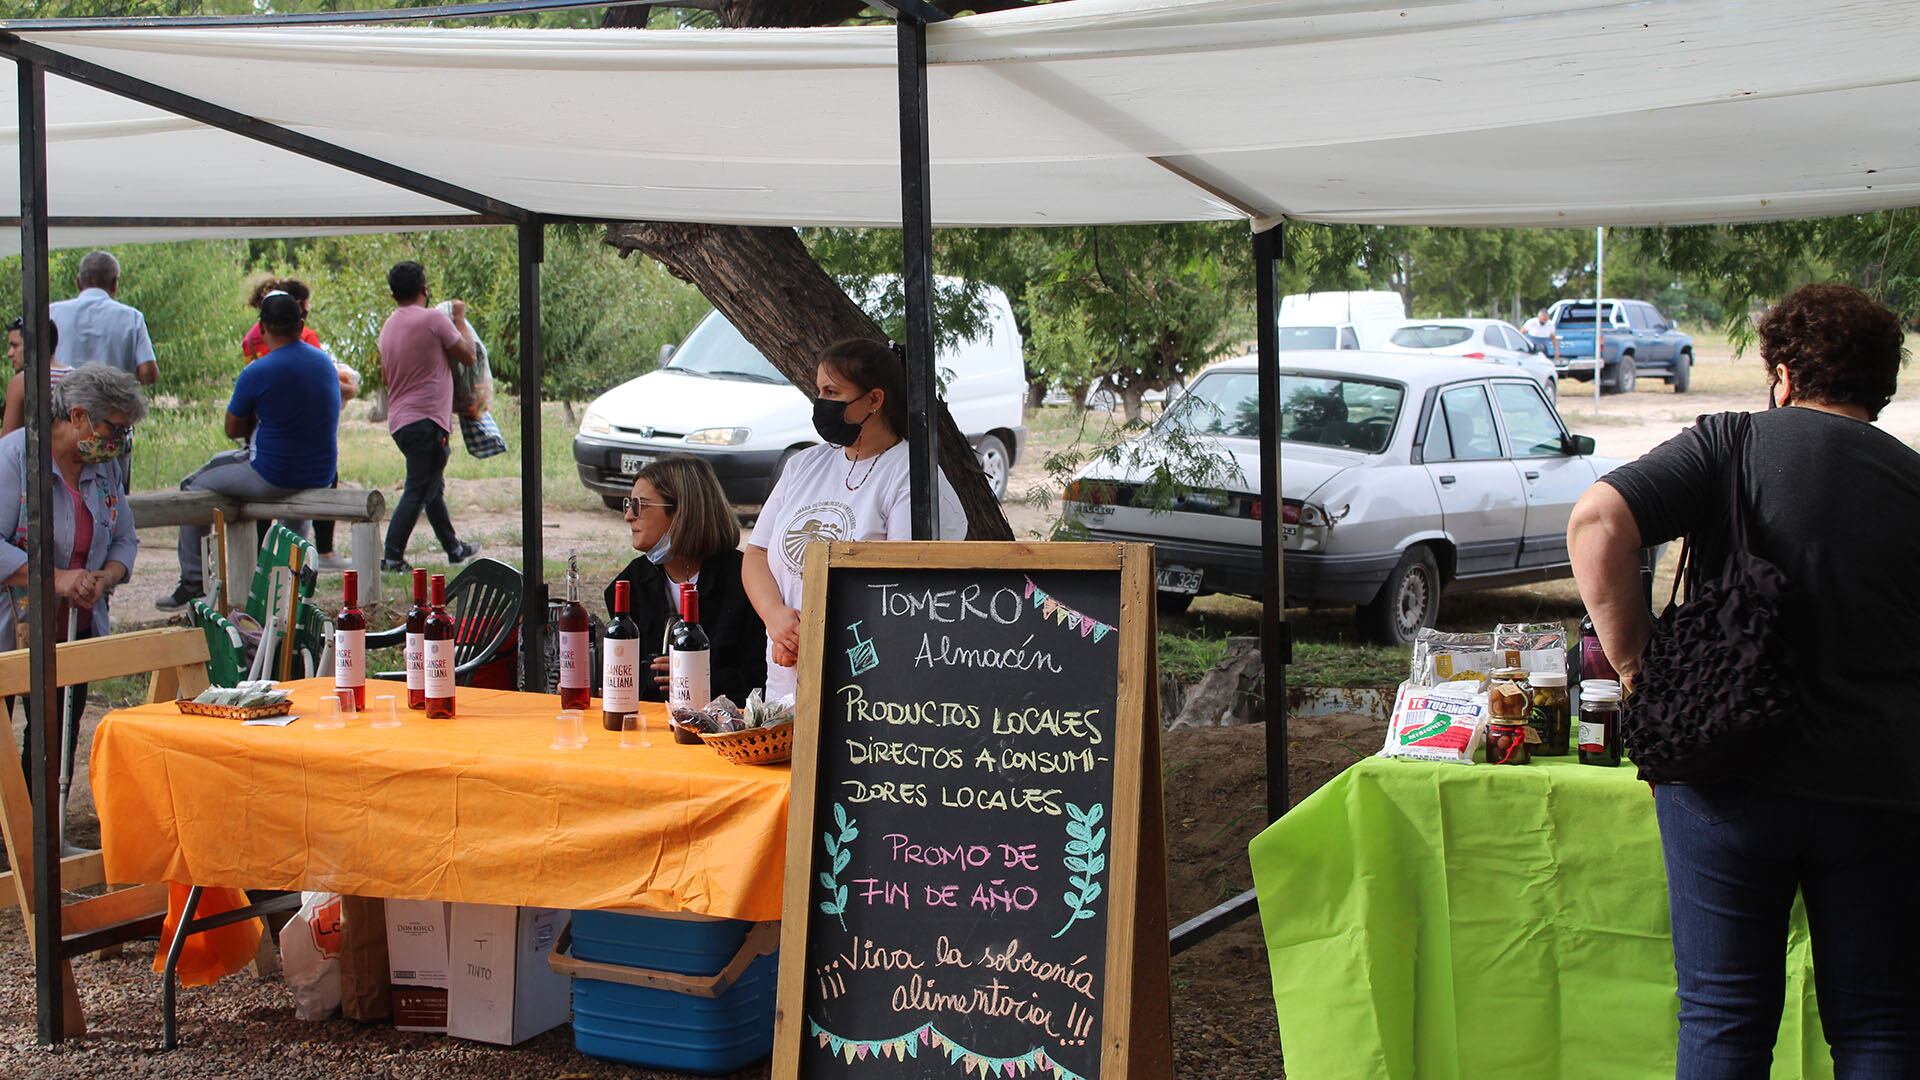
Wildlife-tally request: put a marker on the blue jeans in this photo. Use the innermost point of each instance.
(1735, 856)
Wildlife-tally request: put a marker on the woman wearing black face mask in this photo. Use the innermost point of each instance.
(853, 488)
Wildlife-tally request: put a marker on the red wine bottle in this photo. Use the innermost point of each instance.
(350, 647)
(437, 647)
(576, 651)
(689, 663)
(416, 644)
(620, 661)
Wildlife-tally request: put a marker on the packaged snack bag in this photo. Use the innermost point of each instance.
(1534, 646)
(1440, 657)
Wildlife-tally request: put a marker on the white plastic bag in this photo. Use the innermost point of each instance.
(310, 956)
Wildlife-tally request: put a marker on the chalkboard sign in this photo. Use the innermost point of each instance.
(965, 841)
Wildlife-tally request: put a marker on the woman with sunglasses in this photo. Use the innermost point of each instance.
(94, 410)
(16, 412)
(686, 532)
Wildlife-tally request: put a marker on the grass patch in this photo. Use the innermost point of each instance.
(1375, 667)
(1190, 656)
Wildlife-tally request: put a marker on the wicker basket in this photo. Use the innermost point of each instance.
(234, 712)
(754, 746)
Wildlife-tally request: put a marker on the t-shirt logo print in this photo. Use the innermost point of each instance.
(826, 520)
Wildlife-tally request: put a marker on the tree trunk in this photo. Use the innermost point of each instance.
(1130, 401)
(1036, 393)
(766, 284)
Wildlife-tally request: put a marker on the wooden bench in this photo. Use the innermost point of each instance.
(175, 662)
(362, 508)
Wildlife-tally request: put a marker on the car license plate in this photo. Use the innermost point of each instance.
(1178, 579)
(631, 464)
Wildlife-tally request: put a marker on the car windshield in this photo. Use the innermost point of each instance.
(1430, 336)
(1308, 337)
(1580, 315)
(1326, 410)
(716, 350)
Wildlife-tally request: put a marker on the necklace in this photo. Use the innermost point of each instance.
(855, 463)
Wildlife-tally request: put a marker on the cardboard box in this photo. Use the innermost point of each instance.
(417, 953)
(503, 990)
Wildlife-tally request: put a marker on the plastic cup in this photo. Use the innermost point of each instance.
(333, 713)
(633, 731)
(569, 732)
(385, 711)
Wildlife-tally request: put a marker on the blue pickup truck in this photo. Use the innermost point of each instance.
(1635, 340)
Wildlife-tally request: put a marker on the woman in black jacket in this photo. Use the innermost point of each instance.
(685, 531)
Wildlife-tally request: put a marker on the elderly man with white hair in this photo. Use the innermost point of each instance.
(95, 327)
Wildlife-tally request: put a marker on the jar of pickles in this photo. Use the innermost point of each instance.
(1549, 712)
(1508, 703)
(1599, 723)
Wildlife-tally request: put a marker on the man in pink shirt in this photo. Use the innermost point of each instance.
(417, 346)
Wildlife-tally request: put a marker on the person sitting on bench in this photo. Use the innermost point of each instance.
(289, 401)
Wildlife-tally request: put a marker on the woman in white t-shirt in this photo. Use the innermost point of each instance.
(853, 488)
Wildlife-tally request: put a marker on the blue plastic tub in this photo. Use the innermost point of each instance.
(663, 1029)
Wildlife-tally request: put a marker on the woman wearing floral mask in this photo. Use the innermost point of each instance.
(687, 534)
(94, 410)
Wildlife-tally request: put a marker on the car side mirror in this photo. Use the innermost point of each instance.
(1579, 445)
(666, 354)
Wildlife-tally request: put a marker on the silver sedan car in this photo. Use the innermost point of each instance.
(1402, 477)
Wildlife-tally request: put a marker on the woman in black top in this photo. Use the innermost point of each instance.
(685, 530)
(1831, 807)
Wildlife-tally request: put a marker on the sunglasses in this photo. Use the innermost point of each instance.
(630, 505)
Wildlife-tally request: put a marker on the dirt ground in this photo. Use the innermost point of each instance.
(244, 1027)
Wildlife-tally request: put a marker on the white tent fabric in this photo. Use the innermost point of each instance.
(1445, 112)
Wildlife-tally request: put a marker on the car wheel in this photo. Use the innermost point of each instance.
(1172, 603)
(1625, 378)
(1409, 600)
(612, 502)
(993, 461)
(780, 467)
(1682, 373)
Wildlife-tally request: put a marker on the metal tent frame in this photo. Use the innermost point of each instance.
(33, 62)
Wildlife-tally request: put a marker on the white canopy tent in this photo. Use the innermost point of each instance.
(1445, 112)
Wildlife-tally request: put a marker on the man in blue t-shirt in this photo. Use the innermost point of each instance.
(288, 401)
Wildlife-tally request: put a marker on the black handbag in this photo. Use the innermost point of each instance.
(1714, 681)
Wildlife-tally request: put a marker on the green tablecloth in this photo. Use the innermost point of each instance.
(1441, 921)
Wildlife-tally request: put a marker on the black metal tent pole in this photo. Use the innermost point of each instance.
(45, 738)
(533, 604)
(916, 242)
(1276, 637)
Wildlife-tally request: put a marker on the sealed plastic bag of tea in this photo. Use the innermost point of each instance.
(1437, 723)
(1533, 646)
(1441, 657)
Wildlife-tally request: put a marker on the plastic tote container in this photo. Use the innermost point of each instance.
(682, 992)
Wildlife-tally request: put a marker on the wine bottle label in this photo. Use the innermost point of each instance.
(575, 654)
(1593, 737)
(349, 658)
(689, 679)
(416, 662)
(438, 657)
(620, 675)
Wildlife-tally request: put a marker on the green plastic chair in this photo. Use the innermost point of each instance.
(226, 651)
(276, 551)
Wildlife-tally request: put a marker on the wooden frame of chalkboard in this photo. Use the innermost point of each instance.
(870, 985)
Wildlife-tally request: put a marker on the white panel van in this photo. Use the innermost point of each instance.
(717, 398)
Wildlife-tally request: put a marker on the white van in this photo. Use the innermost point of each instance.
(1339, 320)
(717, 398)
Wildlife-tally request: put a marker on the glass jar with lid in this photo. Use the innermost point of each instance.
(1599, 723)
(1508, 733)
(1549, 712)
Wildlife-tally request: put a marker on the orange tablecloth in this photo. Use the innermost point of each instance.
(477, 809)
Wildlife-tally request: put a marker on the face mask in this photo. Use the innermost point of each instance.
(98, 449)
(662, 550)
(830, 420)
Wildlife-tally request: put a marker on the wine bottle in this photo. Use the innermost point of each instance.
(689, 663)
(437, 634)
(350, 647)
(620, 661)
(576, 655)
(416, 644)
